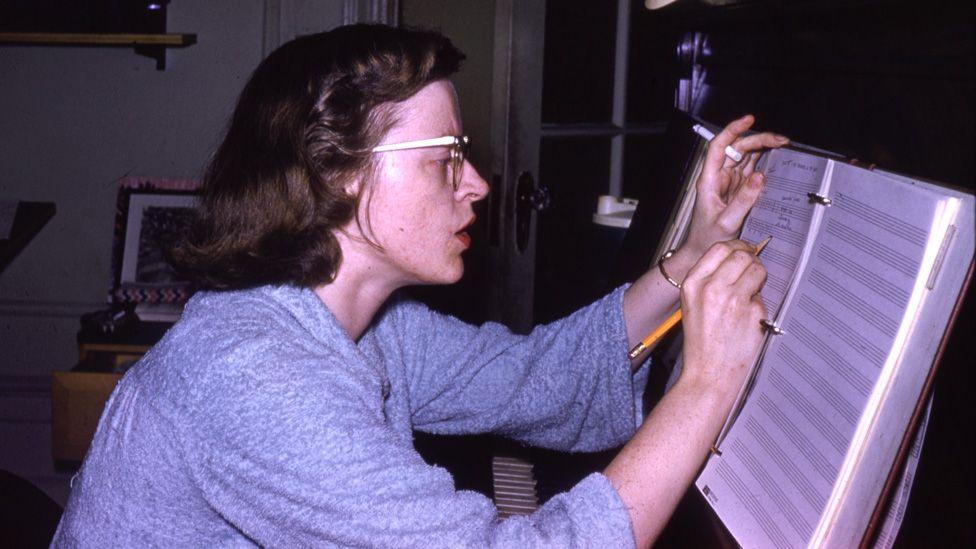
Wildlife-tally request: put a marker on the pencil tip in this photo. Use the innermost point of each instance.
(762, 245)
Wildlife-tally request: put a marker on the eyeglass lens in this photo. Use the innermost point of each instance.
(458, 153)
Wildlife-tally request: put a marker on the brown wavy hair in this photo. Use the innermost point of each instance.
(304, 125)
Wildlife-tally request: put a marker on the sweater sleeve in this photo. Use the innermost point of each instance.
(566, 386)
(298, 453)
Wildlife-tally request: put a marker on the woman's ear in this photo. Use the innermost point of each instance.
(353, 185)
(357, 187)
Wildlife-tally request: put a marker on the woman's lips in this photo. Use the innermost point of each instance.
(463, 235)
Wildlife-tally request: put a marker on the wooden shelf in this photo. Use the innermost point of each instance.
(151, 45)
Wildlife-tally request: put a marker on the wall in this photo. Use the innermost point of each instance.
(72, 121)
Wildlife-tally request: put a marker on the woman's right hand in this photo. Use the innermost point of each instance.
(721, 310)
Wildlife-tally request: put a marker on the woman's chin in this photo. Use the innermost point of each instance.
(444, 277)
(451, 277)
(453, 273)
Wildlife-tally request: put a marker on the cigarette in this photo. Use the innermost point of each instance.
(708, 136)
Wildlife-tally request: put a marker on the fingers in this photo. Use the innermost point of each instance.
(750, 164)
(739, 270)
(757, 311)
(711, 260)
(740, 174)
(752, 278)
(730, 135)
(715, 158)
(729, 264)
(759, 141)
(742, 200)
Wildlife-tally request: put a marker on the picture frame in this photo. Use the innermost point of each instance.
(152, 215)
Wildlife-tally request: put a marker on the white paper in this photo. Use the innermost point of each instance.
(783, 211)
(782, 458)
(899, 501)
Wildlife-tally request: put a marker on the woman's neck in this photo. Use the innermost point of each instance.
(353, 301)
(360, 288)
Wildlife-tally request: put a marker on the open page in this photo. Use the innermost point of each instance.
(784, 212)
(844, 325)
(899, 501)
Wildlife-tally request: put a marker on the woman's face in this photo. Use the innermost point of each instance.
(415, 214)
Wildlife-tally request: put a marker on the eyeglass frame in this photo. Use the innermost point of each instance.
(460, 144)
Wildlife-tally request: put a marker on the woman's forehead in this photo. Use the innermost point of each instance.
(431, 112)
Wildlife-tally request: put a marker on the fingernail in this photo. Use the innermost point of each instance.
(782, 138)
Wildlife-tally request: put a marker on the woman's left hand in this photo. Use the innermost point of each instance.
(727, 189)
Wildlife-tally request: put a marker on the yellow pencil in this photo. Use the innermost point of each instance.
(675, 317)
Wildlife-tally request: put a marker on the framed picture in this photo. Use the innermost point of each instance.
(151, 218)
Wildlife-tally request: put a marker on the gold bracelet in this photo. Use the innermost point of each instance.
(660, 266)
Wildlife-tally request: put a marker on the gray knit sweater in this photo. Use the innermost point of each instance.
(257, 421)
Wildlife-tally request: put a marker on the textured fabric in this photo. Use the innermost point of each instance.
(257, 421)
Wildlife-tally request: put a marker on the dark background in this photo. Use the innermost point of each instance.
(886, 82)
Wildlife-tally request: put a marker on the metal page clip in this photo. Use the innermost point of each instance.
(819, 199)
(771, 328)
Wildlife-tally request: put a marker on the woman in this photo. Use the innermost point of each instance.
(279, 411)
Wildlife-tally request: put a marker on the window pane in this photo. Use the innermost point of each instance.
(570, 270)
(577, 80)
(651, 66)
(642, 163)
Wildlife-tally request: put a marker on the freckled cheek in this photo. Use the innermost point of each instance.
(423, 227)
(425, 217)
(406, 219)
(411, 231)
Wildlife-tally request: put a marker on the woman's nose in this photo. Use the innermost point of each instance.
(472, 185)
